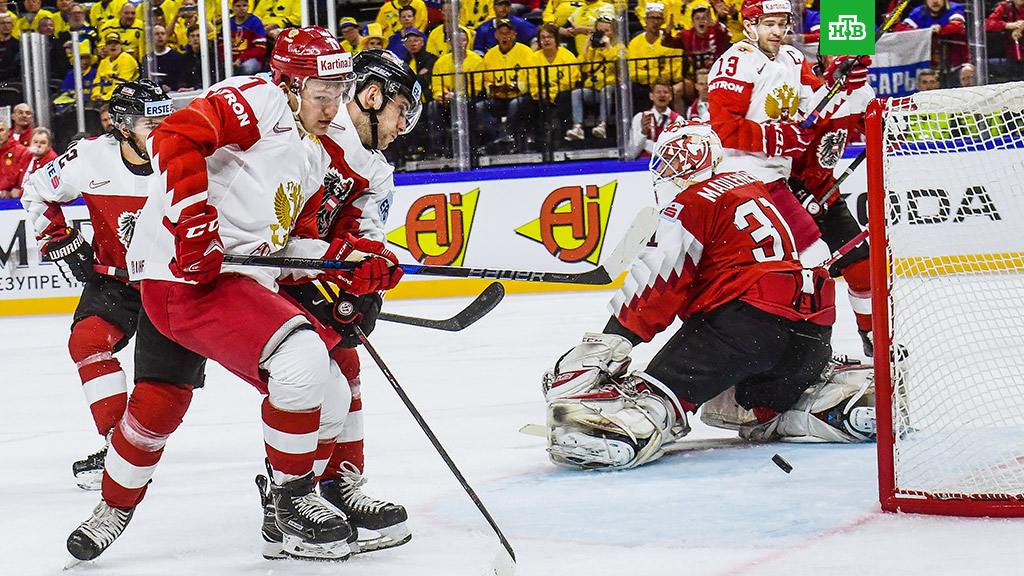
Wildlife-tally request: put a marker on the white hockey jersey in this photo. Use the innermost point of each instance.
(747, 89)
(114, 193)
(239, 148)
(359, 186)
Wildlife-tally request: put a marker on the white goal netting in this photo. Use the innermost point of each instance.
(954, 203)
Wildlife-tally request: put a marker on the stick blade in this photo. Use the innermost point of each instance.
(534, 430)
(504, 564)
(483, 304)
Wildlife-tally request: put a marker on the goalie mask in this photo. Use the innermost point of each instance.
(686, 154)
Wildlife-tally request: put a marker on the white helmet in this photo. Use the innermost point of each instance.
(686, 153)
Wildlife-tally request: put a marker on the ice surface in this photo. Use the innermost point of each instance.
(714, 506)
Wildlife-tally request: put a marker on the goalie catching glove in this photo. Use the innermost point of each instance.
(378, 268)
(68, 246)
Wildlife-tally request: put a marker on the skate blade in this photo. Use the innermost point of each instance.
(71, 562)
(90, 480)
(390, 537)
(274, 551)
(295, 547)
(504, 564)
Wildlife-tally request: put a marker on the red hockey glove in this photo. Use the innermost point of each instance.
(68, 246)
(786, 139)
(857, 77)
(378, 268)
(198, 251)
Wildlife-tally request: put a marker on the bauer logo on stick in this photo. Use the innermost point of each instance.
(847, 27)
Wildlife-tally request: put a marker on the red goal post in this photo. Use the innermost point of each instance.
(946, 220)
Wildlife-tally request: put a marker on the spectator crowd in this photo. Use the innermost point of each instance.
(539, 74)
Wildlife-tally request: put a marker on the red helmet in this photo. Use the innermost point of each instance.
(310, 52)
(754, 9)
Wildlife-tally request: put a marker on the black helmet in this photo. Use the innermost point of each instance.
(133, 100)
(139, 98)
(394, 76)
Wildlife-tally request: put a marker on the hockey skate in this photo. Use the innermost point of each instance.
(380, 524)
(89, 470)
(98, 532)
(298, 523)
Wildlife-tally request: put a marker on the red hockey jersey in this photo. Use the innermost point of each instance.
(720, 240)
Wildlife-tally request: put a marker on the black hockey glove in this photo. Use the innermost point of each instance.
(804, 196)
(350, 310)
(70, 248)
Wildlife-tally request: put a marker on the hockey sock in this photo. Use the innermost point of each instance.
(103, 381)
(350, 442)
(858, 279)
(291, 440)
(154, 411)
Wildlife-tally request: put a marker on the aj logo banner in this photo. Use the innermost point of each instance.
(572, 222)
(437, 228)
(847, 27)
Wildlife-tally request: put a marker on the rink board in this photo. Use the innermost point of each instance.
(554, 217)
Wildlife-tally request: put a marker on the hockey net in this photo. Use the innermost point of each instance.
(946, 204)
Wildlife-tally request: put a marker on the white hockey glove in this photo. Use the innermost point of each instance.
(618, 425)
(592, 363)
(840, 408)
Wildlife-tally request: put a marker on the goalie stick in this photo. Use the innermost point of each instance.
(505, 563)
(844, 70)
(632, 242)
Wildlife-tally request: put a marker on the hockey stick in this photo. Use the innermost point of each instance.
(834, 188)
(476, 310)
(844, 69)
(845, 248)
(505, 563)
(632, 242)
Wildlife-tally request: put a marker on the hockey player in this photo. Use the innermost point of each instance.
(756, 325)
(235, 170)
(813, 177)
(110, 172)
(357, 194)
(758, 93)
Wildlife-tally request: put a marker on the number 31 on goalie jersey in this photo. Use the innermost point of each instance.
(762, 221)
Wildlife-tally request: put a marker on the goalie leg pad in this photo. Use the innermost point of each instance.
(841, 409)
(620, 425)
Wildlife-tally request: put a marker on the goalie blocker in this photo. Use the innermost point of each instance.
(754, 321)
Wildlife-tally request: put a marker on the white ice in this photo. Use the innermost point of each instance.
(719, 508)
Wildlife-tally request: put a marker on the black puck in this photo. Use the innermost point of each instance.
(781, 463)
